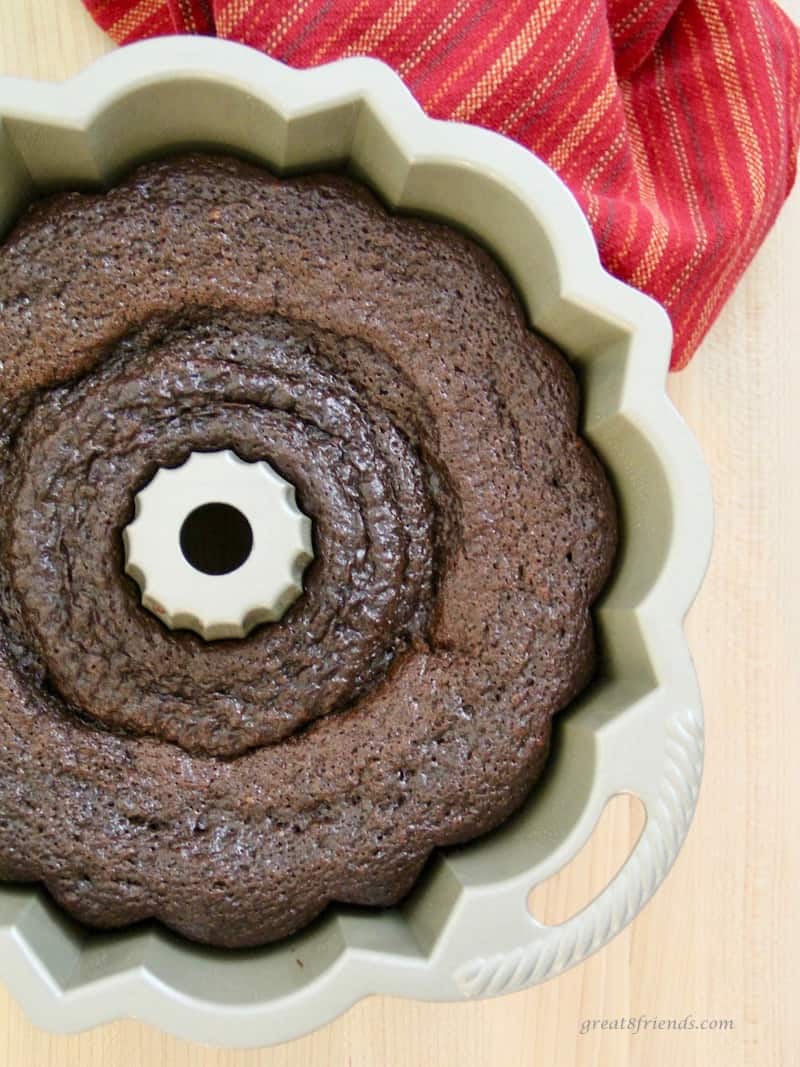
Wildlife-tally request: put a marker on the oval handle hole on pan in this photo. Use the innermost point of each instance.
(576, 884)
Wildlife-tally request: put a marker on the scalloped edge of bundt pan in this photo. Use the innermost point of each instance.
(465, 930)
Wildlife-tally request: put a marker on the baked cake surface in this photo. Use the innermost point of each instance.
(462, 530)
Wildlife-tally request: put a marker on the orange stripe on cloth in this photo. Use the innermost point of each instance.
(128, 24)
(382, 27)
(430, 42)
(284, 27)
(228, 14)
(475, 55)
(584, 126)
(513, 54)
(355, 14)
(707, 293)
(549, 78)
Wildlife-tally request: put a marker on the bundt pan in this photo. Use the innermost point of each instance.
(465, 931)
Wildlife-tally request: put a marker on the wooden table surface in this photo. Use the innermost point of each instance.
(720, 940)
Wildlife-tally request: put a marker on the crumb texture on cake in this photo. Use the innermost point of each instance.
(462, 532)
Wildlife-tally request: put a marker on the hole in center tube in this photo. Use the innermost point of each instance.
(216, 538)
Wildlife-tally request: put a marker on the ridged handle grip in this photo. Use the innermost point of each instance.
(547, 951)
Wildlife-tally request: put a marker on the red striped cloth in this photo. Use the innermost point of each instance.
(675, 122)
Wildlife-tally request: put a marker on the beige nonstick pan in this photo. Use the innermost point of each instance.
(466, 930)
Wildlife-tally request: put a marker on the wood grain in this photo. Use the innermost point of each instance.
(721, 938)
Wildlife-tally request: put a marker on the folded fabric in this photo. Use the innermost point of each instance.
(674, 122)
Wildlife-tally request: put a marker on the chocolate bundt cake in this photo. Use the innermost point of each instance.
(462, 530)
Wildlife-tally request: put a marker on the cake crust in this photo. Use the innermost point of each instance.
(463, 529)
